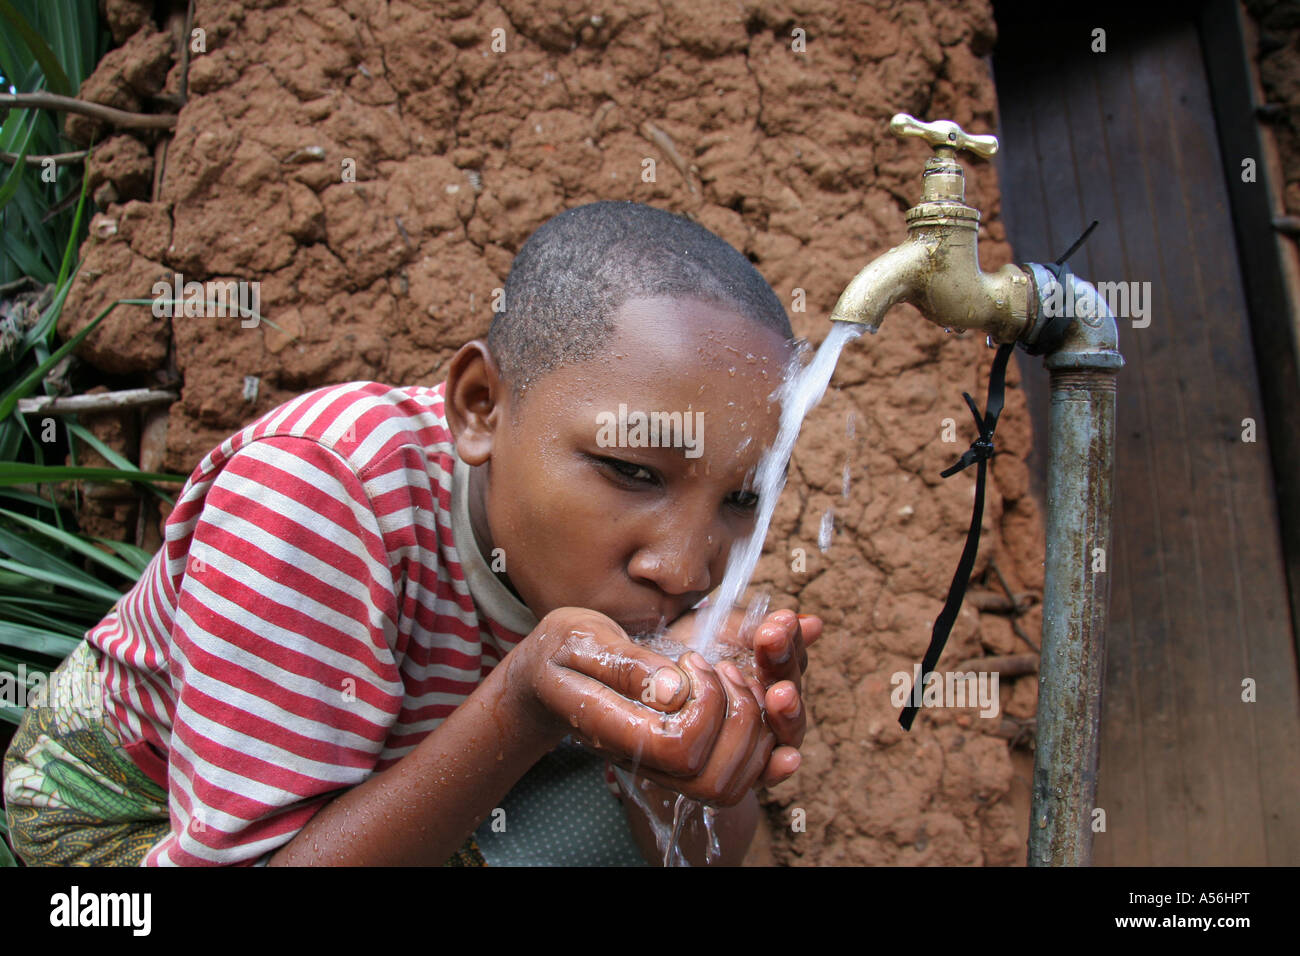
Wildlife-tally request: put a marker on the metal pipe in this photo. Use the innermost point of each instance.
(937, 270)
(1076, 595)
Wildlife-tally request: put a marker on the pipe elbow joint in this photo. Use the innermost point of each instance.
(1091, 337)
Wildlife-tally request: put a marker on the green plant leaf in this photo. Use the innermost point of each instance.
(79, 607)
(113, 457)
(10, 399)
(101, 591)
(15, 177)
(56, 79)
(34, 639)
(34, 662)
(31, 554)
(135, 556)
(20, 473)
(40, 332)
(28, 498)
(70, 250)
(90, 438)
(33, 208)
(24, 256)
(21, 614)
(11, 439)
(74, 543)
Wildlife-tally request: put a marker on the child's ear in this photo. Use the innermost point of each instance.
(473, 401)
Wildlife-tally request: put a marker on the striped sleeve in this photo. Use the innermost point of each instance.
(282, 653)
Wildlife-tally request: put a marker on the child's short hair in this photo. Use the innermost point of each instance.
(579, 268)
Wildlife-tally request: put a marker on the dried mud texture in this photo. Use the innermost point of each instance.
(1279, 74)
(460, 151)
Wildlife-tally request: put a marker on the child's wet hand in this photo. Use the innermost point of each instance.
(578, 673)
(740, 755)
(575, 651)
(781, 657)
(781, 646)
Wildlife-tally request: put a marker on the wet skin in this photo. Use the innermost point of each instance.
(638, 534)
(601, 542)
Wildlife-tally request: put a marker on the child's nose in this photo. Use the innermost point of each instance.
(680, 566)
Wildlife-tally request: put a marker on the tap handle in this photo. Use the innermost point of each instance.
(943, 133)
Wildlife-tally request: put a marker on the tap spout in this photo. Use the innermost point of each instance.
(936, 270)
(887, 280)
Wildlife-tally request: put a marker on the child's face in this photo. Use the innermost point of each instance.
(639, 533)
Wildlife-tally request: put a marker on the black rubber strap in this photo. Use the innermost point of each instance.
(980, 451)
(1052, 334)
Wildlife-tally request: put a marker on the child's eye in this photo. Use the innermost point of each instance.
(630, 470)
(745, 500)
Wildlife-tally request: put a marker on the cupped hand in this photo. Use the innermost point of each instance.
(688, 726)
(780, 646)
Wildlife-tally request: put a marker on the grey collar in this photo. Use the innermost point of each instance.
(492, 597)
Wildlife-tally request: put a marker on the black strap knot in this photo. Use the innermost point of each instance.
(980, 451)
(981, 448)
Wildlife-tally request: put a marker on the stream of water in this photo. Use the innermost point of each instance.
(800, 391)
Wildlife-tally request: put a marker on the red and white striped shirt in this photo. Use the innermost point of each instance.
(308, 620)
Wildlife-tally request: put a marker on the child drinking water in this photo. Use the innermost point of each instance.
(378, 609)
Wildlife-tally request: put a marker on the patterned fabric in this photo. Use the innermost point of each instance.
(467, 855)
(560, 813)
(72, 796)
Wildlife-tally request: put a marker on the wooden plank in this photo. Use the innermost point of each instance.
(1124, 787)
(1122, 776)
(1024, 216)
(1263, 738)
(1143, 420)
(1189, 774)
(1267, 263)
(1196, 502)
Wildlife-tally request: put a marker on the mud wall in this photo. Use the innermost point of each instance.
(468, 125)
(1278, 58)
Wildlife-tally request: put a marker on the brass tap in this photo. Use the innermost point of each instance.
(936, 268)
